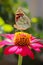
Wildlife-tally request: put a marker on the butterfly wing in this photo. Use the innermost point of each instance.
(22, 21)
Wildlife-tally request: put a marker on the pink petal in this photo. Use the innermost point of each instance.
(4, 42)
(24, 51)
(1, 45)
(10, 36)
(30, 53)
(10, 50)
(38, 44)
(19, 50)
(15, 49)
(33, 39)
(37, 49)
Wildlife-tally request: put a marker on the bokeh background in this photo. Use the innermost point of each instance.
(34, 10)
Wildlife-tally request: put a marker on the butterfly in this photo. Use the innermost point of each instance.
(22, 21)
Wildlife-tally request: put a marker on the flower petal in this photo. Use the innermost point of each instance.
(5, 42)
(24, 51)
(38, 44)
(1, 45)
(10, 50)
(10, 36)
(37, 49)
(19, 50)
(30, 53)
(33, 39)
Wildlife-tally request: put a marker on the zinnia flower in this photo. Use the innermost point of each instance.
(21, 43)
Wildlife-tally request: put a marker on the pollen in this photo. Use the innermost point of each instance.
(22, 38)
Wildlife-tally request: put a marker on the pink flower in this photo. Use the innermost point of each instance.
(21, 43)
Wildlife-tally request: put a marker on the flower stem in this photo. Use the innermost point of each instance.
(20, 60)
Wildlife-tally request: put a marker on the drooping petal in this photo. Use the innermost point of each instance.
(30, 53)
(10, 50)
(19, 50)
(24, 51)
(37, 49)
(10, 36)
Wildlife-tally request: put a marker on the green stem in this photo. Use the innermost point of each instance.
(20, 60)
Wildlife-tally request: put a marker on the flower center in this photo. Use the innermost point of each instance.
(21, 38)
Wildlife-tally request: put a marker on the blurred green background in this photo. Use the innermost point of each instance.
(7, 18)
(7, 21)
